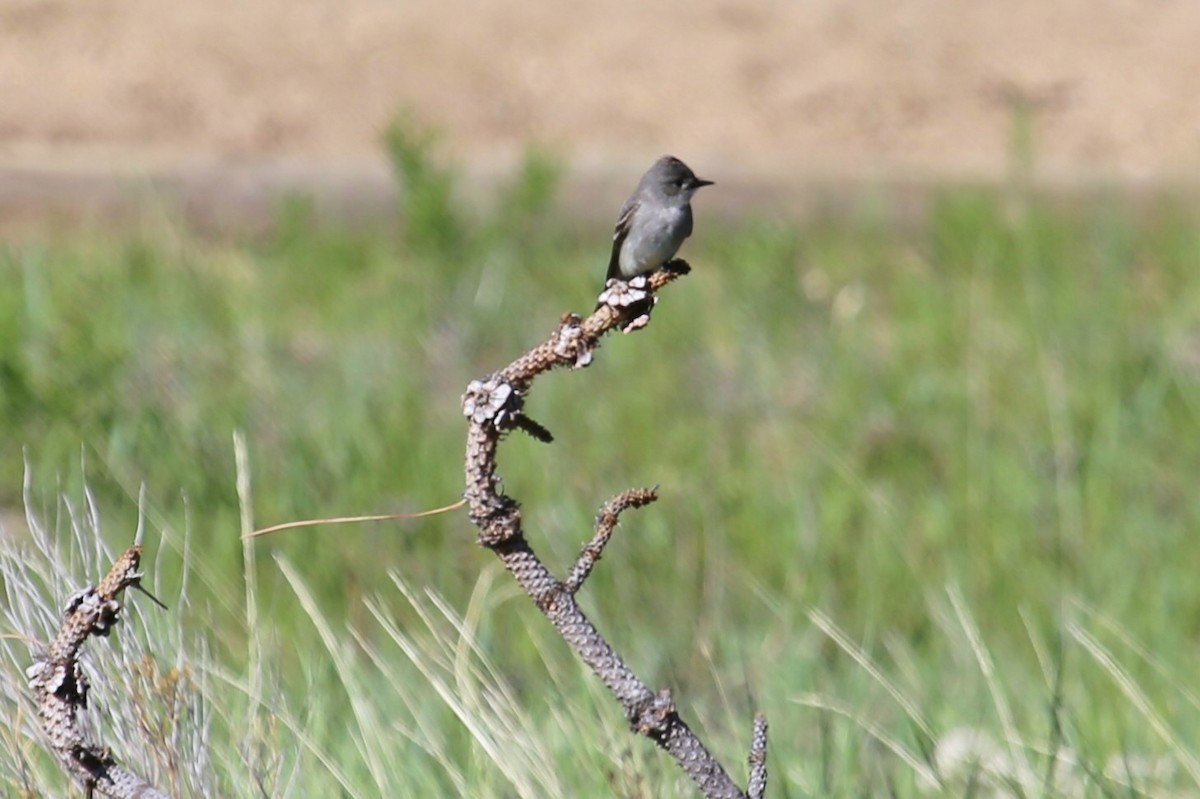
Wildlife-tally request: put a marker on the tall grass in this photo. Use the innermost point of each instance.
(928, 493)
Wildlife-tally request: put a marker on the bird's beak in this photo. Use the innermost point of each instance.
(700, 182)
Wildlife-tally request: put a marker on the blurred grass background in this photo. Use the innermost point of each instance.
(883, 444)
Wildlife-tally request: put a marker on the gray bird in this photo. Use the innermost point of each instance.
(655, 220)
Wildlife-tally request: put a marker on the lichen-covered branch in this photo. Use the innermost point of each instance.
(494, 406)
(61, 688)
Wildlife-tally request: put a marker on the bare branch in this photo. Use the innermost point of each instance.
(494, 406)
(61, 687)
(758, 759)
(606, 522)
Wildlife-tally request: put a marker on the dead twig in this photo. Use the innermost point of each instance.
(61, 688)
(606, 522)
(494, 407)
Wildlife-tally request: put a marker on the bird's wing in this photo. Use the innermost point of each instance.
(624, 222)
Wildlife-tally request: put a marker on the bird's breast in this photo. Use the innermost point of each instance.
(654, 238)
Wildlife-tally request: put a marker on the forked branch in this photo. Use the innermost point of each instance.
(494, 406)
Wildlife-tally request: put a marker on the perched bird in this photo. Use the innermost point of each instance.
(655, 220)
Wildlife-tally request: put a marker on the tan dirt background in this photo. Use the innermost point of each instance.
(220, 100)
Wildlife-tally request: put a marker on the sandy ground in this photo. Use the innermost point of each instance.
(236, 96)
